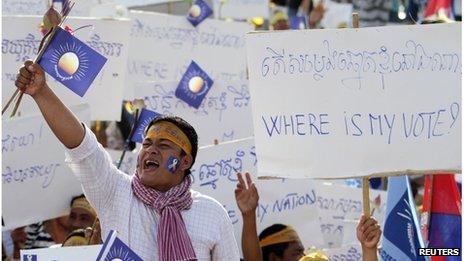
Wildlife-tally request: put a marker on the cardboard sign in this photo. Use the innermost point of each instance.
(162, 46)
(324, 215)
(37, 183)
(356, 102)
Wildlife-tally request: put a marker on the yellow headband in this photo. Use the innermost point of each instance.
(83, 203)
(169, 131)
(315, 256)
(283, 236)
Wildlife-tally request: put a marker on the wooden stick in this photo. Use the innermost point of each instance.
(365, 180)
(366, 202)
(39, 56)
(355, 20)
(170, 7)
(9, 101)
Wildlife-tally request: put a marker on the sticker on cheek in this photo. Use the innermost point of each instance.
(173, 164)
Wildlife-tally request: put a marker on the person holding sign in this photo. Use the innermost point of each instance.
(154, 211)
(246, 195)
(281, 242)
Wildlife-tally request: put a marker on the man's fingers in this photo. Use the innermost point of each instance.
(372, 231)
(248, 179)
(368, 230)
(240, 179)
(23, 80)
(369, 222)
(24, 72)
(362, 221)
(31, 67)
(28, 63)
(21, 86)
(373, 235)
(253, 188)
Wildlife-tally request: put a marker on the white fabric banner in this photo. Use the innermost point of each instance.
(21, 39)
(37, 183)
(356, 102)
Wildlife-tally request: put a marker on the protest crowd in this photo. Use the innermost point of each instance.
(289, 130)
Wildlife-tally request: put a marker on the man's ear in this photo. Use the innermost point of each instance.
(186, 162)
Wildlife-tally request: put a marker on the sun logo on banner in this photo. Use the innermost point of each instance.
(71, 61)
(198, 12)
(119, 254)
(194, 85)
(195, 11)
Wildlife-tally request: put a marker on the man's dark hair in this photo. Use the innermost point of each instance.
(277, 249)
(77, 197)
(186, 128)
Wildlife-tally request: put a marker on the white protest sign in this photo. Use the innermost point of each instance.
(356, 102)
(162, 46)
(62, 253)
(241, 9)
(39, 7)
(224, 115)
(21, 39)
(337, 14)
(324, 215)
(37, 183)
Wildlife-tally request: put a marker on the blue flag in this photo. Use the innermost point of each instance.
(71, 62)
(298, 22)
(146, 116)
(401, 237)
(114, 249)
(194, 85)
(198, 12)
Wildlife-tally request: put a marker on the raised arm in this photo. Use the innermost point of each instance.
(65, 126)
(247, 198)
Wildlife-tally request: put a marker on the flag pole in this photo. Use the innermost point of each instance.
(43, 45)
(126, 143)
(39, 56)
(365, 180)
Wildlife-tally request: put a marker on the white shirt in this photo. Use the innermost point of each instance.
(110, 193)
